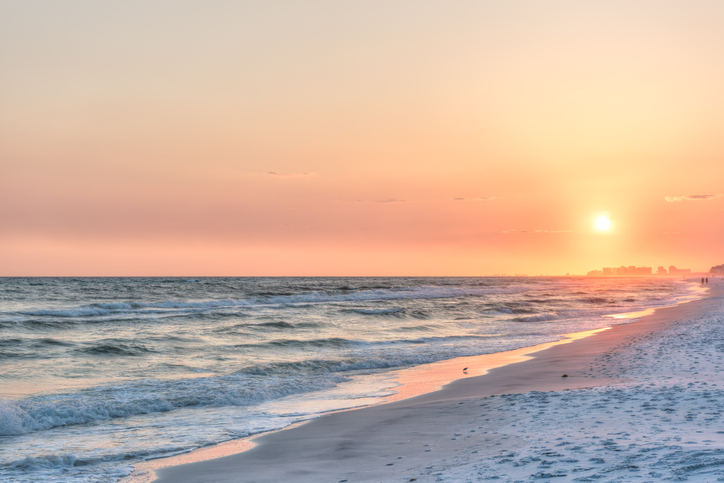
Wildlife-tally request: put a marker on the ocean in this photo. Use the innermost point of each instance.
(97, 374)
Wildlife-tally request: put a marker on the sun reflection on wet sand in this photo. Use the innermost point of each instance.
(144, 472)
(632, 315)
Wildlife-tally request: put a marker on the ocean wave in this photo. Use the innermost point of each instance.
(367, 345)
(150, 396)
(40, 324)
(47, 341)
(312, 343)
(393, 310)
(83, 311)
(419, 314)
(244, 387)
(548, 301)
(538, 318)
(68, 467)
(7, 354)
(501, 310)
(324, 366)
(261, 326)
(512, 310)
(45, 462)
(11, 342)
(418, 328)
(274, 325)
(596, 300)
(116, 348)
(315, 297)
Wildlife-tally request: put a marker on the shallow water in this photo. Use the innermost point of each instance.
(97, 373)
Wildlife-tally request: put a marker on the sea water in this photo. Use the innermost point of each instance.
(99, 373)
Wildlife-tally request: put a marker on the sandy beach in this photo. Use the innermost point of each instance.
(641, 402)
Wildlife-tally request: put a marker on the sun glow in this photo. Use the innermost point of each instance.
(603, 223)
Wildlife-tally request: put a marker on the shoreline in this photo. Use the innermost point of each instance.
(539, 372)
(413, 382)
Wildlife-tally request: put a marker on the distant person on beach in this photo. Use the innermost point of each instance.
(707, 279)
(702, 280)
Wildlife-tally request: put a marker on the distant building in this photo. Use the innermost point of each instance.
(717, 270)
(679, 271)
(634, 271)
(621, 271)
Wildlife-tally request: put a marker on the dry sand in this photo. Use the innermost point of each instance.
(631, 391)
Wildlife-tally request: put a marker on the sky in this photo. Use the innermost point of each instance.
(287, 138)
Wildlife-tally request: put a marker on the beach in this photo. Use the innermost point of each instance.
(102, 379)
(641, 402)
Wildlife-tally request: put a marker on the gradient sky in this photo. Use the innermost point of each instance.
(177, 137)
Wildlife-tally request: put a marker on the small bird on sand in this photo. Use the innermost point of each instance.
(465, 369)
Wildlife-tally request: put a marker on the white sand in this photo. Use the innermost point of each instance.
(643, 402)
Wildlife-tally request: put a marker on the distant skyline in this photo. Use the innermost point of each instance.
(359, 138)
(633, 270)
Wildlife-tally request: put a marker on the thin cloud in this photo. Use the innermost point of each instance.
(391, 200)
(538, 231)
(289, 175)
(482, 198)
(674, 199)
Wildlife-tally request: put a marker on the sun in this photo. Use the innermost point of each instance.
(603, 223)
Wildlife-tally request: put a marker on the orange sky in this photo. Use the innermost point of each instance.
(359, 138)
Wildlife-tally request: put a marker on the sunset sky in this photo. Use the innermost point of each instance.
(359, 138)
